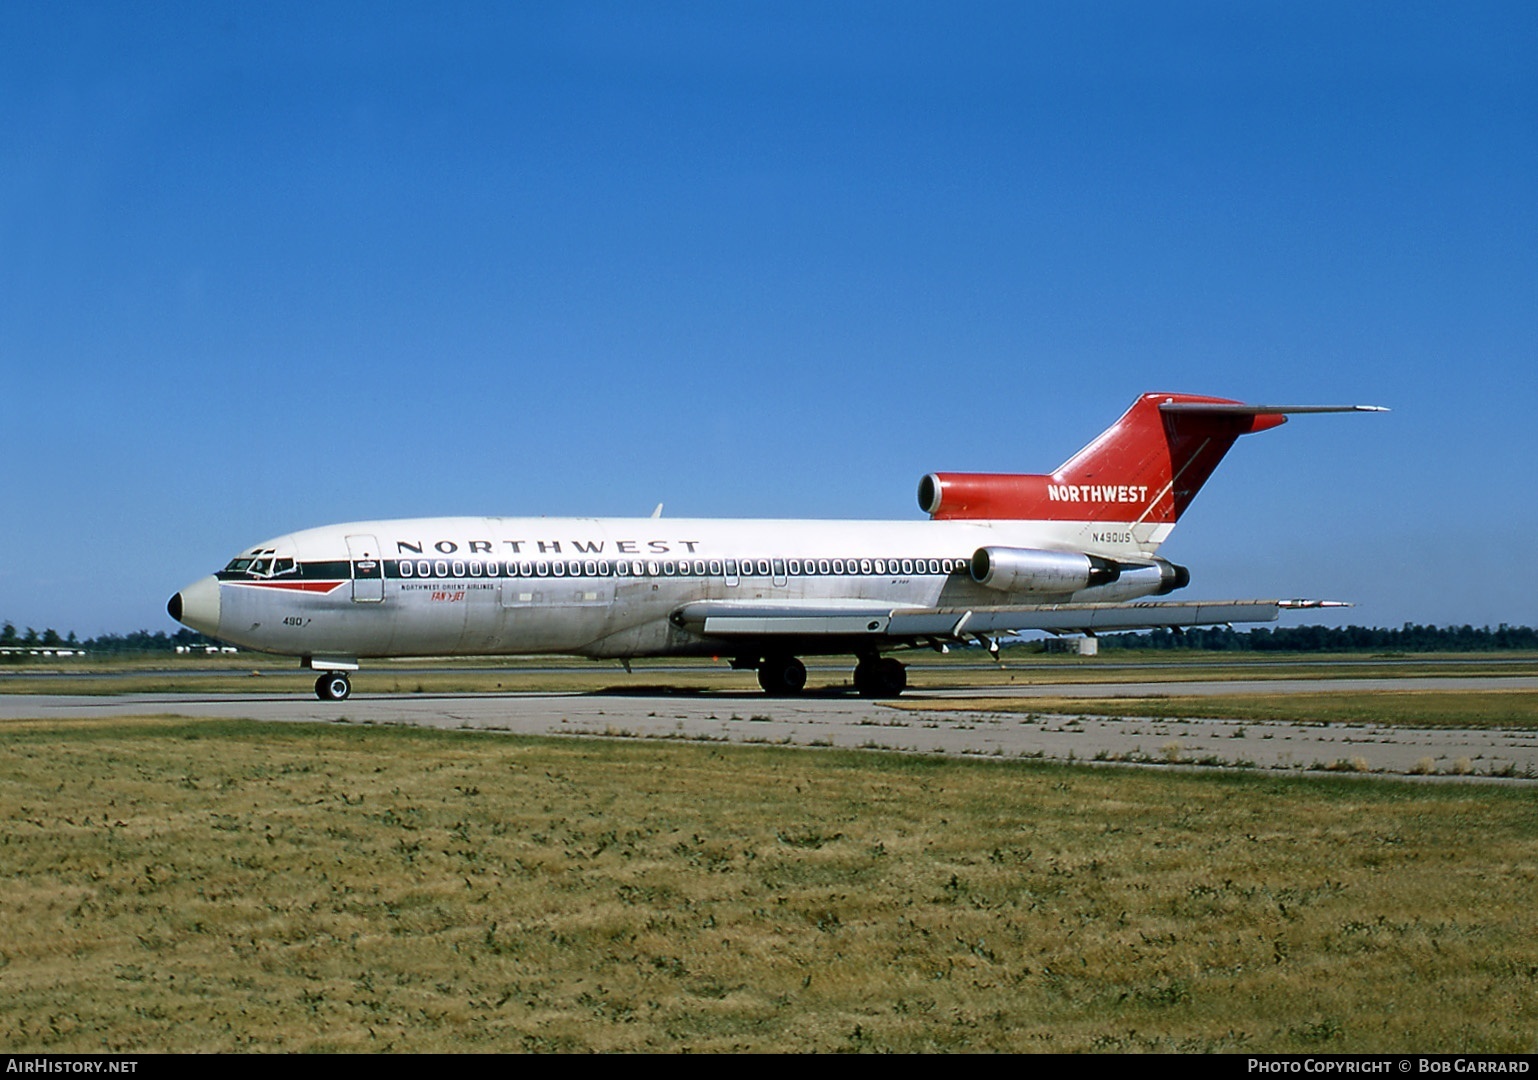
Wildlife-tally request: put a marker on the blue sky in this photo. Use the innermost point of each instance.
(264, 267)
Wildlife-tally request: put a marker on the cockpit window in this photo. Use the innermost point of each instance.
(262, 564)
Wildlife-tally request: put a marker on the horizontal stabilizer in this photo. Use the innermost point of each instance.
(1239, 409)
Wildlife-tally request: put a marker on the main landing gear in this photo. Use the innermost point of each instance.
(333, 686)
(781, 676)
(880, 677)
(785, 676)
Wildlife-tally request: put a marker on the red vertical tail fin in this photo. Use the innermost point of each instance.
(1143, 470)
(1166, 445)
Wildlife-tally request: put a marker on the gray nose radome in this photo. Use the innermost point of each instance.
(197, 606)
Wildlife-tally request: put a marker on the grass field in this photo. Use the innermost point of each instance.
(176, 885)
(1462, 709)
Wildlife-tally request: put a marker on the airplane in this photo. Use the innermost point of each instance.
(1071, 551)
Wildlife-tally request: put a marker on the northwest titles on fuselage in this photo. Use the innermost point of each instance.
(547, 547)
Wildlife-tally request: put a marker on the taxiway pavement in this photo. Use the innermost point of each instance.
(908, 726)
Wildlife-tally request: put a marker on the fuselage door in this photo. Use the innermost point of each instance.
(367, 569)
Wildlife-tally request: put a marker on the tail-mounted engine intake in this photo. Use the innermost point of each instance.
(983, 495)
(1032, 570)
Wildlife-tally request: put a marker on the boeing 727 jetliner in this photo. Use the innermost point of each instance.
(1071, 551)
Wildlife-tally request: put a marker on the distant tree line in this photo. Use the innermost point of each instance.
(1410, 637)
(140, 641)
(47, 639)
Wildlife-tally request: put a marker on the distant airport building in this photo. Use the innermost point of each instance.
(1073, 646)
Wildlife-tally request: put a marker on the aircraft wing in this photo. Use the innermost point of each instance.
(873, 619)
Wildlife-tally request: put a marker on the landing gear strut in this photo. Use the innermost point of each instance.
(333, 686)
(875, 677)
(782, 676)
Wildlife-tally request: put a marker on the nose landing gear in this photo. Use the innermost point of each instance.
(333, 686)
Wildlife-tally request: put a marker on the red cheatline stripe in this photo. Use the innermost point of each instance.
(295, 586)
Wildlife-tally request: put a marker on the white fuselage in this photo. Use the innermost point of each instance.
(605, 587)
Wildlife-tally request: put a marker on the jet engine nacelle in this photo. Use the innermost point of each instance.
(1033, 570)
(1159, 577)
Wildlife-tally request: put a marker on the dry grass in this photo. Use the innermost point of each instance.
(1388, 708)
(209, 886)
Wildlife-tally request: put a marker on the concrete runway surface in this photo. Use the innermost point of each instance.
(852, 722)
